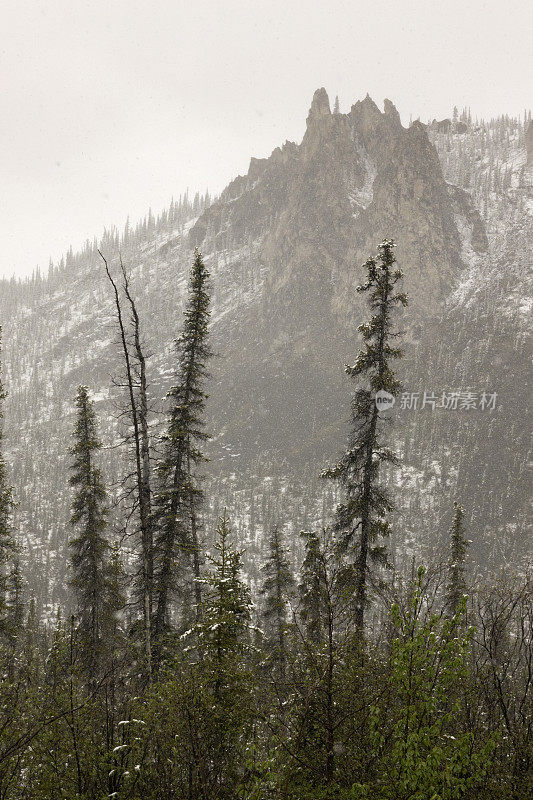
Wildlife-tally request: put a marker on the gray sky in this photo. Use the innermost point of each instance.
(108, 107)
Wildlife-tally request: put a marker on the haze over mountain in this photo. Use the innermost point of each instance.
(284, 244)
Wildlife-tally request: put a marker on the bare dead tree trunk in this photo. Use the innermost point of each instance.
(145, 490)
(138, 410)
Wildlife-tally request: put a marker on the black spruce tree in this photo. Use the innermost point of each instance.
(7, 542)
(89, 547)
(178, 494)
(456, 585)
(361, 521)
(277, 587)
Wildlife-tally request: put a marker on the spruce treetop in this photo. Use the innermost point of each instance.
(456, 585)
(7, 543)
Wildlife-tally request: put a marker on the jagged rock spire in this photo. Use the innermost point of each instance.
(319, 106)
(391, 110)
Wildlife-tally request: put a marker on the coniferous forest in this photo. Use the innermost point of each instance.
(265, 424)
(342, 671)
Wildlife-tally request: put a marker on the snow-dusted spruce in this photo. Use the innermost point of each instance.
(226, 617)
(15, 609)
(136, 384)
(7, 543)
(456, 585)
(89, 547)
(178, 493)
(277, 587)
(317, 699)
(361, 519)
(227, 679)
(311, 589)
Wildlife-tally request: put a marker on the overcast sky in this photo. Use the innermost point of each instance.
(108, 107)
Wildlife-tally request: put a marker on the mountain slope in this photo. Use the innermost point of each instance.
(316, 212)
(284, 245)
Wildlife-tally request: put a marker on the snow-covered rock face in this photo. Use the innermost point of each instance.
(284, 245)
(321, 207)
(361, 196)
(490, 162)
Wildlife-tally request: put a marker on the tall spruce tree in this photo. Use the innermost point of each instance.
(311, 588)
(361, 522)
(456, 584)
(224, 668)
(277, 587)
(7, 542)
(226, 612)
(316, 686)
(15, 601)
(179, 494)
(89, 547)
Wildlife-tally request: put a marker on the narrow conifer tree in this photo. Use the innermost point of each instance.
(320, 606)
(226, 613)
(276, 590)
(89, 547)
(7, 542)
(456, 585)
(30, 661)
(178, 495)
(361, 519)
(311, 588)
(15, 600)
(224, 669)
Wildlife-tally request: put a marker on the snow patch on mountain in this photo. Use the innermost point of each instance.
(360, 197)
(237, 279)
(473, 277)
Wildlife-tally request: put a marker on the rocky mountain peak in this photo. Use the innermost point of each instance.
(366, 113)
(294, 233)
(322, 205)
(391, 111)
(319, 106)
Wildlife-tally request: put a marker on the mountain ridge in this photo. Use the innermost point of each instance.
(284, 244)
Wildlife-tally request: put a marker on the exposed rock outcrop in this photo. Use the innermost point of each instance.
(323, 205)
(317, 211)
